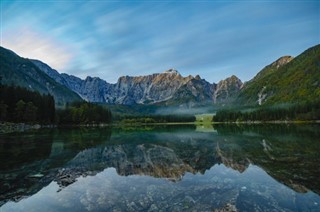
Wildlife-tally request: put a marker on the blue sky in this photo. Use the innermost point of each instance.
(108, 39)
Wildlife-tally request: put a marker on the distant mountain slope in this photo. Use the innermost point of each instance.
(22, 72)
(167, 88)
(287, 80)
(91, 89)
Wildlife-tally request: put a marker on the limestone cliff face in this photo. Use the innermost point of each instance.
(167, 88)
(92, 89)
(146, 89)
(227, 89)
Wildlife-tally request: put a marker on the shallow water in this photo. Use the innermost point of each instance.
(168, 168)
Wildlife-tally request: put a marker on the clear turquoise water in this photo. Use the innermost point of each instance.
(168, 168)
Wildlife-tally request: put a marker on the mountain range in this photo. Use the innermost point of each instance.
(287, 80)
(167, 88)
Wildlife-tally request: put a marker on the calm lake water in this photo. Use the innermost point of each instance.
(168, 168)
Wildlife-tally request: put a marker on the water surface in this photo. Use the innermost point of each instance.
(168, 168)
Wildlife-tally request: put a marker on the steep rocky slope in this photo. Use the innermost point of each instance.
(91, 89)
(15, 70)
(167, 88)
(227, 89)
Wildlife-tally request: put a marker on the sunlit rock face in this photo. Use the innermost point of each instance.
(227, 89)
(281, 61)
(167, 88)
(146, 89)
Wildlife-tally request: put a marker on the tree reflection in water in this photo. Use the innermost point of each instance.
(170, 167)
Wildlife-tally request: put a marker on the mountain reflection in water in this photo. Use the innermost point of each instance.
(272, 167)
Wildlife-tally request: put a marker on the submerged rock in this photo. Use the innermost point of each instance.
(227, 208)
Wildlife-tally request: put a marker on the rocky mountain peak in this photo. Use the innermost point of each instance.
(230, 81)
(281, 61)
(272, 67)
(171, 71)
(233, 78)
(197, 77)
(226, 89)
(169, 87)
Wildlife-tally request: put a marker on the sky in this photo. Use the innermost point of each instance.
(109, 39)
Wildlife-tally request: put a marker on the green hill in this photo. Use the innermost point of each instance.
(287, 80)
(18, 71)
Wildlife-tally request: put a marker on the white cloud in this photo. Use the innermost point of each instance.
(26, 42)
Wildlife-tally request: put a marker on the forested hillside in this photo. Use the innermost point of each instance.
(21, 105)
(286, 80)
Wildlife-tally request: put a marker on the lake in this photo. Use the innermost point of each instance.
(162, 168)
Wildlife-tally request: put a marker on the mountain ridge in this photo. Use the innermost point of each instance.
(19, 71)
(287, 79)
(166, 88)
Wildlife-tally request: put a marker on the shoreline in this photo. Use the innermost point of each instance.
(270, 122)
(9, 127)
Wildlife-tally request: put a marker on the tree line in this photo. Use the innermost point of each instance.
(127, 119)
(83, 113)
(20, 105)
(303, 111)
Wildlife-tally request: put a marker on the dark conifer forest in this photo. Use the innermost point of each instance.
(21, 105)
